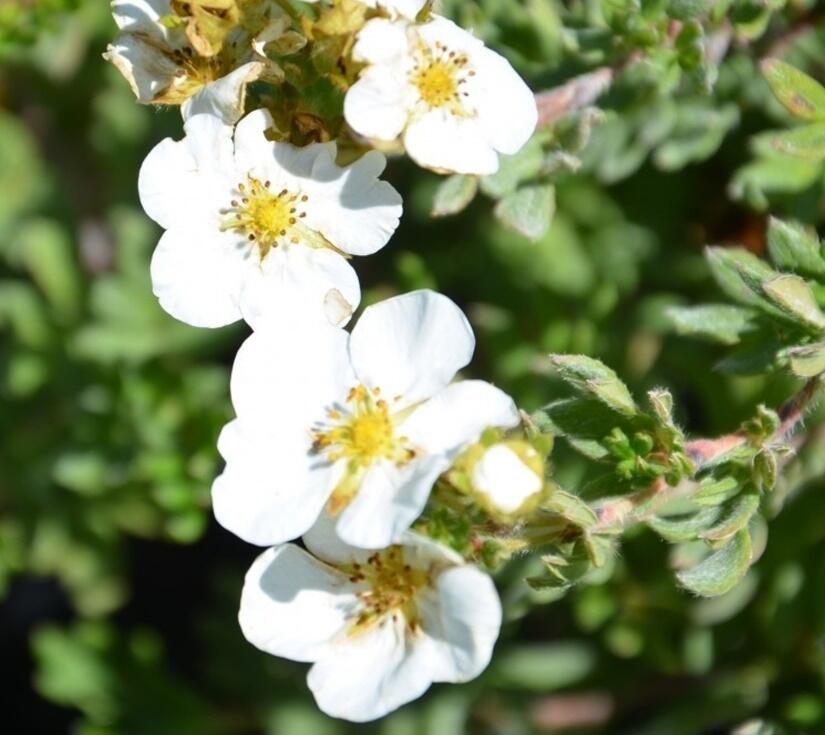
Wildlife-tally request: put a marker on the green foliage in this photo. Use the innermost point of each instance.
(779, 310)
(675, 567)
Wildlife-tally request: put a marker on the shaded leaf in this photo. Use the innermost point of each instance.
(528, 211)
(454, 194)
(719, 322)
(720, 571)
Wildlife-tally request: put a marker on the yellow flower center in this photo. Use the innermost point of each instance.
(439, 74)
(392, 586)
(361, 432)
(264, 217)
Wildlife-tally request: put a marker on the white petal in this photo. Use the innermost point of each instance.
(224, 98)
(286, 377)
(388, 502)
(462, 619)
(411, 345)
(505, 479)
(140, 16)
(187, 183)
(272, 489)
(148, 70)
(210, 140)
(458, 415)
(283, 164)
(352, 207)
(301, 283)
(365, 676)
(197, 277)
(378, 105)
(381, 41)
(445, 142)
(292, 605)
(324, 542)
(442, 30)
(505, 105)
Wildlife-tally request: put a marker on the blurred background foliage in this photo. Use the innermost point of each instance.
(118, 592)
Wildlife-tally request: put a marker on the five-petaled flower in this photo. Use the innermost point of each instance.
(379, 627)
(456, 103)
(362, 425)
(254, 226)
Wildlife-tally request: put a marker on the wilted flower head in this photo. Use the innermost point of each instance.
(200, 55)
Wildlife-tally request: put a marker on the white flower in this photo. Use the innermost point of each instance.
(504, 480)
(378, 627)
(256, 226)
(162, 67)
(362, 424)
(456, 103)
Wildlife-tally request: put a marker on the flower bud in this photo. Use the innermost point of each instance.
(508, 478)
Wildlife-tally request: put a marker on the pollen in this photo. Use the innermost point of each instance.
(391, 586)
(265, 217)
(438, 74)
(361, 432)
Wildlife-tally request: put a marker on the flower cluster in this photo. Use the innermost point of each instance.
(339, 437)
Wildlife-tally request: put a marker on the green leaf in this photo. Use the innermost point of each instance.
(807, 361)
(453, 194)
(795, 248)
(739, 274)
(715, 491)
(806, 142)
(684, 528)
(756, 181)
(737, 515)
(528, 210)
(718, 322)
(47, 251)
(595, 378)
(544, 667)
(802, 95)
(720, 571)
(757, 355)
(25, 313)
(514, 170)
(574, 509)
(793, 295)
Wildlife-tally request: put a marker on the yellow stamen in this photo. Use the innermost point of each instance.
(362, 432)
(392, 587)
(438, 75)
(265, 217)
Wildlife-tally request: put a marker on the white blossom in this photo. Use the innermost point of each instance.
(455, 103)
(378, 627)
(359, 424)
(255, 226)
